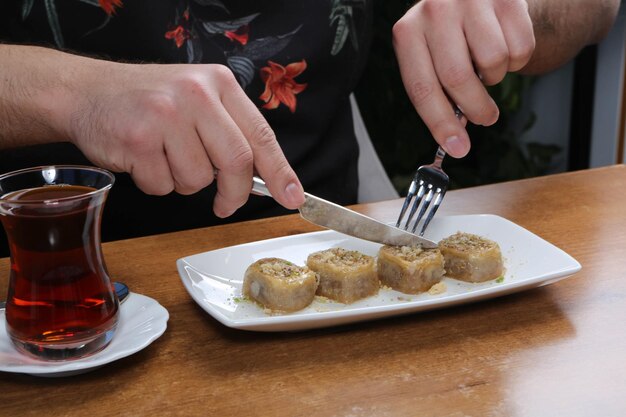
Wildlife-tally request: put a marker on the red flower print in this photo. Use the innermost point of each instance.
(240, 35)
(179, 34)
(109, 5)
(280, 86)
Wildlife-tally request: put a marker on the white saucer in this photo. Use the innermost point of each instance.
(142, 320)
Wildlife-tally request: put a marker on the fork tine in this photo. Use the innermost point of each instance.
(438, 198)
(407, 200)
(418, 198)
(427, 201)
(433, 183)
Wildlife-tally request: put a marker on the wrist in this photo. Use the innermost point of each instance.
(69, 95)
(41, 91)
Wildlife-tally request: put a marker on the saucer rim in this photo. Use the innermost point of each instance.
(111, 353)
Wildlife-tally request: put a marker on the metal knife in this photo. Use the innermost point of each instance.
(341, 219)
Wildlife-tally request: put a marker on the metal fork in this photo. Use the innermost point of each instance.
(428, 187)
(429, 184)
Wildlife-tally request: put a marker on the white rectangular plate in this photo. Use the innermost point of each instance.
(214, 279)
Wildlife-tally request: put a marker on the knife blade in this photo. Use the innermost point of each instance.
(343, 220)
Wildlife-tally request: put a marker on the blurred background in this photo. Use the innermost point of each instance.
(569, 119)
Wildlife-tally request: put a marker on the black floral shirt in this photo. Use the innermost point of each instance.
(297, 60)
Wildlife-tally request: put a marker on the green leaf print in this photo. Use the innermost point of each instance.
(53, 21)
(27, 6)
(341, 14)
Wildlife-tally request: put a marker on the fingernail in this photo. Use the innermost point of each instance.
(294, 194)
(455, 147)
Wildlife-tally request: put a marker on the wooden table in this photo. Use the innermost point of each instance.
(558, 350)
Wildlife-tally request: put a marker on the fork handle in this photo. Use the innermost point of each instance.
(440, 152)
(439, 157)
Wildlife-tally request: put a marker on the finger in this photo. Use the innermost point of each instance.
(424, 90)
(487, 45)
(517, 31)
(231, 154)
(453, 65)
(151, 173)
(269, 160)
(189, 163)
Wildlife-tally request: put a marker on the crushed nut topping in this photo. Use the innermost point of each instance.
(466, 242)
(343, 257)
(281, 268)
(410, 253)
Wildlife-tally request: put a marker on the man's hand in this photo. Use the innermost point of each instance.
(448, 50)
(171, 127)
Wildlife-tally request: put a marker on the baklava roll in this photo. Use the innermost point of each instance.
(471, 258)
(280, 285)
(345, 275)
(409, 269)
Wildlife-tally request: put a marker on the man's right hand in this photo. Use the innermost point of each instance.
(171, 127)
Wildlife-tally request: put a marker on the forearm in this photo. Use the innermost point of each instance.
(37, 93)
(563, 27)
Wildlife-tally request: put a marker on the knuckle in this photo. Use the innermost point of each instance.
(194, 183)
(164, 189)
(223, 75)
(161, 106)
(487, 114)
(421, 92)
(441, 128)
(428, 12)
(522, 53)
(140, 140)
(157, 187)
(229, 201)
(241, 159)
(435, 9)
(191, 80)
(490, 78)
(493, 114)
(401, 29)
(497, 58)
(492, 69)
(263, 135)
(512, 5)
(456, 76)
(195, 85)
(284, 170)
(221, 70)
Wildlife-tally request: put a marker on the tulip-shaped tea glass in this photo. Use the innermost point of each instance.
(61, 304)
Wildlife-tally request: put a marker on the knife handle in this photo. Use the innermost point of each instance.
(258, 187)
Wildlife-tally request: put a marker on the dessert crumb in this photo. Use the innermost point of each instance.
(438, 288)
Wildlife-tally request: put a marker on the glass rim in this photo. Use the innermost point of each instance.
(22, 171)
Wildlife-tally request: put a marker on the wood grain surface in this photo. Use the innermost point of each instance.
(558, 350)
